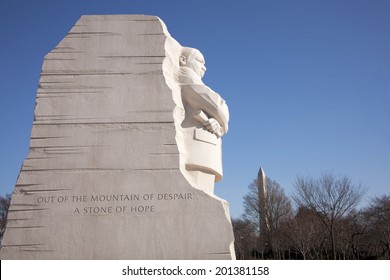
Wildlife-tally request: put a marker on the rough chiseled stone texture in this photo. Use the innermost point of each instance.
(103, 178)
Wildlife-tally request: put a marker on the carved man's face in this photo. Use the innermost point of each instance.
(196, 62)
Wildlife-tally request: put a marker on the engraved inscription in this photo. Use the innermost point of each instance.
(105, 204)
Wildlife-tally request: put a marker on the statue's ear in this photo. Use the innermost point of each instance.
(182, 60)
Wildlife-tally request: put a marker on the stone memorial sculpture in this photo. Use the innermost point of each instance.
(124, 152)
(206, 120)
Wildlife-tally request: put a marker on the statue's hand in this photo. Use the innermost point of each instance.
(210, 124)
(213, 126)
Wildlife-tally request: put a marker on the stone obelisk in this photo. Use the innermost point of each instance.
(107, 174)
(263, 205)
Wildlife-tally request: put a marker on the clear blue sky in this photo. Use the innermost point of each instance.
(307, 81)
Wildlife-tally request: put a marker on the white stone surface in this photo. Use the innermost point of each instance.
(206, 120)
(107, 175)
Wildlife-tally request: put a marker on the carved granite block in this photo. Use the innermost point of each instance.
(114, 170)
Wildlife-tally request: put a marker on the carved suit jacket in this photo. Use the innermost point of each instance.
(205, 148)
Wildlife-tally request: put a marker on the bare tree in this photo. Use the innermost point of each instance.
(349, 235)
(4, 205)
(251, 206)
(378, 217)
(278, 210)
(244, 239)
(305, 232)
(331, 198)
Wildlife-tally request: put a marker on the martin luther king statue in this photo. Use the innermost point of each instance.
(206, 121)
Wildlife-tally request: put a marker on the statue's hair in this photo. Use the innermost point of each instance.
(187, 52)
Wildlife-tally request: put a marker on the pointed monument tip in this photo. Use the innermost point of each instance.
(261, 172)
